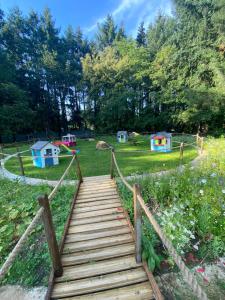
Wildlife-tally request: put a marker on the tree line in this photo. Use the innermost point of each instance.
(169, 77)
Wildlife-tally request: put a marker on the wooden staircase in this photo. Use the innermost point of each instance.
(98, 256)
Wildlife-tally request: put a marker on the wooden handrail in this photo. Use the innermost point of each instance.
(50, 235)
(139, 206)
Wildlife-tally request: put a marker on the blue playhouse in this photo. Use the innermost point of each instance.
(161, 142)
(122, 136)
(45, 154)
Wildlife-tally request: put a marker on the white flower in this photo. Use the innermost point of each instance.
(203, 181)
(223, 191)
(213, 175)
(192, 236)
(192, 222)
(201, 192)
(195, 246)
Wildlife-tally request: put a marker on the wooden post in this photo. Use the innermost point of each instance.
(78, 170)
(1, 152)
(197, 138)
(50, 236)
(181, 152)
(202, 144)
(112, 164)
(20, 162)
(137, 223)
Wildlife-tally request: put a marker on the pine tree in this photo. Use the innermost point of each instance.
(141, 35)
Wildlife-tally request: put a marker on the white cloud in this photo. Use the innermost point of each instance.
(142, 10)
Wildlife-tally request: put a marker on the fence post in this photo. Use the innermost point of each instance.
(112, 164)
(137, 222)
(197, 138)
(50, 235)
(20, 163)
(1, 155)
(181, 152)
(78, 169)
(202, 144)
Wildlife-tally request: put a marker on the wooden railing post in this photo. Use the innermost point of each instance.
(20, 162)
(78, 170)
(137, 222)
(201, 146)
(197, 138)
(181, 152)
(112, 164)
(50, 236)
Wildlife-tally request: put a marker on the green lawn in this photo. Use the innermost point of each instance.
(95, 162)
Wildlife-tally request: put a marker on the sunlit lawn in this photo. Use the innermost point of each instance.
(97, 162)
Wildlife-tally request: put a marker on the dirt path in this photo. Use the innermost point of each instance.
(16, 292)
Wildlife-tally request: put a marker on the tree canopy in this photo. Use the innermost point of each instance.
(170, 76)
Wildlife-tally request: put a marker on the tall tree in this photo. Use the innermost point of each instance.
(141, 35)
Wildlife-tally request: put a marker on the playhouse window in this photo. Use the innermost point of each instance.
(49, 152)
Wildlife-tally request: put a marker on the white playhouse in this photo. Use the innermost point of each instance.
(45, 154)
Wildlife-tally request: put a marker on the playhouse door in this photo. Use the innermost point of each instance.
(48, 158)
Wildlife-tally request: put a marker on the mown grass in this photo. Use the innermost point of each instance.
(95, 162)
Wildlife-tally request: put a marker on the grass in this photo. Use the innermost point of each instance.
(95, 162)
(18, 207)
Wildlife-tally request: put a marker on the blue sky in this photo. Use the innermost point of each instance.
(87, 13)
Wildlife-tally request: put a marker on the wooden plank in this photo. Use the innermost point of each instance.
(101, 178)
(96, 195)
(88, 191)
(75, 221)
(114, 197)
(97, 243)
(97, 254)
(85, 236)
(97, 226)
(140, 291)
(92, 208)
(99, 186)
(99, 283)
(98, 203)
(93, 198)
(98, 268)
(102, 212)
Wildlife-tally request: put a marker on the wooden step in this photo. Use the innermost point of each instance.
(75, 221)
(86, 236)
(88, 191)
(97, 195)
(93, 198)
(97, 243)
(97, 226)
(114, 197)
(103, 178)
(99, 186)
(97, 254)
(102, 212)
(96, 207)
(99, 283)
(140, 291)
(98, 268)
(97, 203)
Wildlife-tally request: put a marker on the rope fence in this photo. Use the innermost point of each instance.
(139, 205)
(21, 242)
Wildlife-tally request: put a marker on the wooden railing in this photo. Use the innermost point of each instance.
(53, 246)
(46, 215)
(140, 207)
